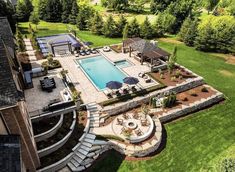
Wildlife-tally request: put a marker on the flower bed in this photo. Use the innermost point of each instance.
(45, 125)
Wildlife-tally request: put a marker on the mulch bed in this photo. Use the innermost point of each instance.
(167, 77)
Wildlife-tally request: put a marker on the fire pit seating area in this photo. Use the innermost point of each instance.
(135, 127)
(48, 84)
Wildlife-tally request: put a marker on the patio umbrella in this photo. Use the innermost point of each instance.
(114, 85)
(130, 80)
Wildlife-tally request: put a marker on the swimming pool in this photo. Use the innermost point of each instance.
(122, 63)
(100, 71)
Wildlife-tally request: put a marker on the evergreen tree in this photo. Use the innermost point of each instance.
(172, 60)
(109, 28)
(134, 29)
(34, 18)
(121, 25)
(188, 31)
(125, 32)
(7, 10)
(205, 40)
(19, 41)
(53, 11)
(211, 4)
(96, 24)
(146, 30)
(74, 13)
(66, 8)
(84, 14)
(42, 9)
(118, 5)
(23, 10)
(157, 6)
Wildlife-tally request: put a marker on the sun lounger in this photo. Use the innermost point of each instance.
(108, 93)
(141, 74)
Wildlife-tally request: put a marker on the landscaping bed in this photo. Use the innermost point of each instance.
(177, 76)
(65, 149)
(45, 125)
(60, 134)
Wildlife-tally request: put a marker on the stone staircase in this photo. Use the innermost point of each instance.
(89, 148)
(29, 50)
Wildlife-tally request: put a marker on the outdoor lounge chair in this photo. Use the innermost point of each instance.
(147, 79)
(138, 132)
(108, 94)
(119, 121)
(133, 88)
(141, 74)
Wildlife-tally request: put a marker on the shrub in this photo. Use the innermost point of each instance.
(177, 73)
(169, 101)
(173, 78)
(193, 93)
(161, 76)
(204, 89)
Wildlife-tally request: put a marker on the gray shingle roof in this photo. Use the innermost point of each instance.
(9, 94)
(10, 153)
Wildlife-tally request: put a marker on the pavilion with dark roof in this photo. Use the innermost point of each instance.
(146, 51)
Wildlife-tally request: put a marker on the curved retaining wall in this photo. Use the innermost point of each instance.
(56, 146)
(50, 132)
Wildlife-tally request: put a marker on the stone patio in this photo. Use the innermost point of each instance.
(36, 99)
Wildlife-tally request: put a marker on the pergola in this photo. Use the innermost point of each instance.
(146, 50)
(60, 43)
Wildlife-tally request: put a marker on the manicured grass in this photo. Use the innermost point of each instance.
(194, 142)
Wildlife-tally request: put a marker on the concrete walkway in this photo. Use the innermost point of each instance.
(29, 50)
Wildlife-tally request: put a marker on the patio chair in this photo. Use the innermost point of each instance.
(108, 94)
(119, 121)
(138, 132)
(125, 116)
(133, 88)
(141, 74)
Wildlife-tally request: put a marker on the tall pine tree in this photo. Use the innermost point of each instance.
(53, 11)
(120, 25)
(134, 29)
(109, 28)
(96, 24)
(66, 8)
(74, 13)
(146, 30)
(42, 9)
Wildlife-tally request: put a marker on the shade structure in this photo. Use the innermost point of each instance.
(130, 80)
(114, 85)
(76, 45)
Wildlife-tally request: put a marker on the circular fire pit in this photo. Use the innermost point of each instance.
(131, 124)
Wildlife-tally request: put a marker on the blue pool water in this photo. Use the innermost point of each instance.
(101, 71)
(122, 63)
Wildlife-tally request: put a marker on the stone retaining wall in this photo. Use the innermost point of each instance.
(50, 132)
(192, 107)
(137, 101)
(56, 146)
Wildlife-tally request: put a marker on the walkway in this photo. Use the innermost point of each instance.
(29, 50)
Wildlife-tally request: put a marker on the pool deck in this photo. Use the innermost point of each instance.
(89, 92)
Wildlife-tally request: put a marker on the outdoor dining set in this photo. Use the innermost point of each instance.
(48, 84)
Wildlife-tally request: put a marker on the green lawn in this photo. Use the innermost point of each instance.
(199, 141)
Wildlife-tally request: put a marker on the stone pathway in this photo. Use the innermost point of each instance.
(29, 50)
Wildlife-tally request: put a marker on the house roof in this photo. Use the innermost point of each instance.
(9, 95)
(10, 153)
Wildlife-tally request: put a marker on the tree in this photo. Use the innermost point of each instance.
(118, 5)
(157, 6)
(146, 30)
(84, 14)
(205, 40)
(172, 60)
(23, 10)
(231, 8)
(66, 8)
(188, 31)
(34, 18)
(53, 11)
(7, 10)
(42, 9)
(211, 4)
(19, 41)
(125, 32)
(110, 28)
(121, 25)
(74, 13)
(96, 24)
(134, 29)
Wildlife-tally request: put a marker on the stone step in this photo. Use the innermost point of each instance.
(80, 155)
(92, 104)
(71, 166)
(75, 169)
(87, 161)
(83, 151)
(90, 136)
(94, 148)
(100, 142)
(94, 118)
(91, 155)
(91, 141)
(94, 125)
(88, 165)
(95, 115)
(74, 162)
(85, 148)
(77, 158)
(87, 144)
(80, 168)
